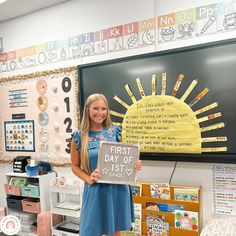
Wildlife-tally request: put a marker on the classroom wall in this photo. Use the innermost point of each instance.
(81, 16)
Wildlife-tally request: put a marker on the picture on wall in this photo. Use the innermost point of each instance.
(19, 136)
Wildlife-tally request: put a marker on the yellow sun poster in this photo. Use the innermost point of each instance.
(165, 124)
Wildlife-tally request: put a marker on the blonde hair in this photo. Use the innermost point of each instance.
(85, 127)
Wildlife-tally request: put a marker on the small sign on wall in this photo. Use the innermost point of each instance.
(116, 162)
(224, 190)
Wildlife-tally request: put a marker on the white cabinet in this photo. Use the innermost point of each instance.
(26, 197)
(66, 201)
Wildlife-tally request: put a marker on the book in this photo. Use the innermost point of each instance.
(160, 190)
(186, 220)
(156, 226)
(136, 189)
(152, 206)
(136, 226)
(154, 217)
(165, 207)
(186, 194)
(158, 229)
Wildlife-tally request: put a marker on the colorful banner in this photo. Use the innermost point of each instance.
(186, 24)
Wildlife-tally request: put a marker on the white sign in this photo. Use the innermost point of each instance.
(224, 190)
(116, 162)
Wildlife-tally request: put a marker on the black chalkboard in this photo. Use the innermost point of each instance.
(213, 65)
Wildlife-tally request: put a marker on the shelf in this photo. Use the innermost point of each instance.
(44, 196)
(65, 212)
(191, 206)
(66, 202)
(24, 233)
(22, 175)
(66, 190)
(169, 216)
(68, 226)
(61, 232)
(68, 205)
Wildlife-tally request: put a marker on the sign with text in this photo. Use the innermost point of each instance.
(224, 190)
(116, 162)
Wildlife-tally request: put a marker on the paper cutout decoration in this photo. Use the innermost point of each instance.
(43, 118)
(41, 87)
(42, 103)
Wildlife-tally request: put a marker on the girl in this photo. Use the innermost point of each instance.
(106, 208)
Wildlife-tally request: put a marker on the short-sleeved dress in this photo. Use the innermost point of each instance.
(106, 208)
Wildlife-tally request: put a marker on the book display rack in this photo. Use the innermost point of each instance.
(182, 211)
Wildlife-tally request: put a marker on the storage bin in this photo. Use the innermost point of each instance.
(14, 202)
(30, 191)
(32, 170)
(27, 229)
(13, 212)
(31, 205)
(27, 218)
(12, 189)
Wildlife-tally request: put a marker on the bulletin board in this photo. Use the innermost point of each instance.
(39, 111)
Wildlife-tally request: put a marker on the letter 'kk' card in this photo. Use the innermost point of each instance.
(116, 162)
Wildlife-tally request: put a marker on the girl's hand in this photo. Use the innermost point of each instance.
(138, 165)
(94, 177)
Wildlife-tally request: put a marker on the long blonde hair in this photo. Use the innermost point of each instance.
(85, 127)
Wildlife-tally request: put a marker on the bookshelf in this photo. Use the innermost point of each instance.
(37, 197)
(169, 216)
(66, 199)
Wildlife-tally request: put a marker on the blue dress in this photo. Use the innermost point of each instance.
(106, 208)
